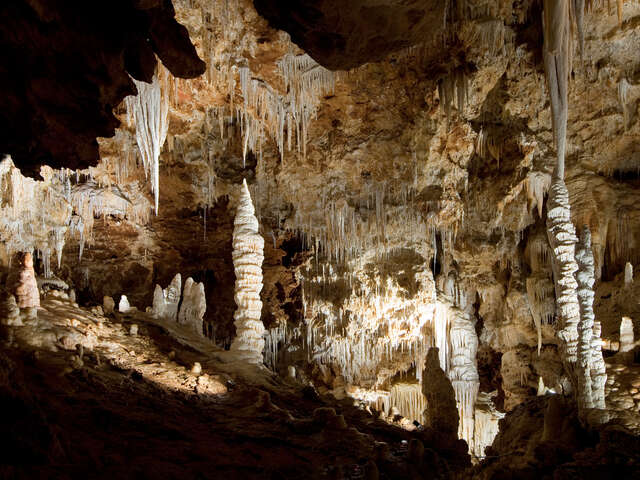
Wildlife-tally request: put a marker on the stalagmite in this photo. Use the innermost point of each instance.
(626, 334)
(563, 239)
(165, 302)
(560, 230)
(598, 367)
(108, 304)
(628, 274)
(21, 281)
(123, 305)
(464, 372)
(586, 279)
(441, 413)
(193, 306)
(248, 247)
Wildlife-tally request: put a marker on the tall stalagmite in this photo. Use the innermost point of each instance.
(586, 279)
(464, 372)
(248, 248)
(441, 413)
(560, 230)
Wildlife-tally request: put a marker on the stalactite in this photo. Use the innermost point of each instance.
(586, 279)
(150, 111)
(623, 97)
(486, 428)
(274, 338)
(409, 400)
(248, 247)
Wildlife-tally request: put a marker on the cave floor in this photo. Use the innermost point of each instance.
(125, 406)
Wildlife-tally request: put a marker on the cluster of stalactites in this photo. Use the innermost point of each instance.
(35, 214)
(346, 230)
(149, 112)
(248, 255)
(263, 111)
(91, 200)
(454, 90)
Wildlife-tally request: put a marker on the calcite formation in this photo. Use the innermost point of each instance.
(585, 278)
(441, 413)
(626, 334)
(21, 281)
(563, 240)
(166, 301)
(193, 306)
(108, 304)
(248, 248)
(123, 304)
(464, 372)
(628, 274)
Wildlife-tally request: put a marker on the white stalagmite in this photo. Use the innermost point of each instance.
(586, 279)
(193, 306)
(598, 367)
(248, 248)
(165, 302)
(626, 334)
(563, 240)
(150, 110)
(557, 53)
(464, 372)
(123, 305)
(628, 274)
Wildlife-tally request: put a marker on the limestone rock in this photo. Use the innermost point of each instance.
(108, 304)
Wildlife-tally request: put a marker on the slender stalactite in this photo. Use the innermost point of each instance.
(560, 230)
(149, 110)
